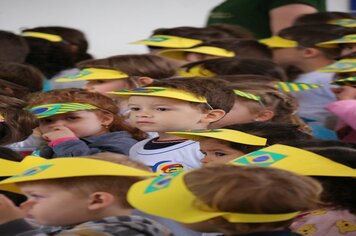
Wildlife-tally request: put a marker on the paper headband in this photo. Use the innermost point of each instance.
(161, 92)
(351, 38)
(279, 42)
(346, 81)
(222, 134)
(341, 66)
(194, 71)
(168, 196)
(169, 41)
(295, 86)
(295, 160)
(49, 37)
(37, 168)
(52, 109)
(344, 22)
(179, 54)
(94, 74)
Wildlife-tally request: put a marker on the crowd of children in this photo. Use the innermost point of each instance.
(212, 132)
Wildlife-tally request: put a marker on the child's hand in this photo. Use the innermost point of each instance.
(8, 210)
(57, 133)
(345, 92)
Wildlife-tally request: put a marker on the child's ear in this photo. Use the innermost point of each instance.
(107, 118)
(264, 115)
(213, 115)
(100, 200)
(310, 52)
(143, 81)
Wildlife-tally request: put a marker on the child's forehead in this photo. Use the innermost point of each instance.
(155, 99)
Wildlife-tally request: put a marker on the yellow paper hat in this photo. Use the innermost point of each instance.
(295, 160)
(344, 22)
(52, 109)
(223, 134)
(10, 168)
(346, 81)
(94, 74)
(68, 167)
(179, 54)
(49, 37)
(296, 86)
(168, 196)
(161, 92)
(194, 71)
(341, 66)
(279, 42)
(351, 38)
(169, 41)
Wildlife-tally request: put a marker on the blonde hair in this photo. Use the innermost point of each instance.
(284, 105)
(253, 190)
(85, 185)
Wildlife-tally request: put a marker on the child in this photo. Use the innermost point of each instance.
(229, 199)
(16, 124)
(76, 122)
(269, 104)
(298, 46)
(18, 80)
(88, 198)
(170, 105)
(225, 144)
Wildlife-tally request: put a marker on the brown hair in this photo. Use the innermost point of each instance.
(216, 91)
(18, 124)
(13, 47)
(116, 185)
(76, 95)
(22, 79)
(254, 190)
(235, 31)
(308, 36)
(284, 105)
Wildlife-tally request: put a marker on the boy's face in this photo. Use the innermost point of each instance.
(217, 151)
(103, 86)
(159, 114)
(81, 123)
(287, 56)
(54, 206)
(238, 114)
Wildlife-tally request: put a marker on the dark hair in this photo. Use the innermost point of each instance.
(310, 35)
(22, 79)
(13, 48)
(241, 66)
(216, 91)
(134, 65)
(235, 31)
(274, 132)
(321, 17)
(49, 57)
(18, 123)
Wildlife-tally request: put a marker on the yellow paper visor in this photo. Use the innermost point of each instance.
(295, 160)
(169, 41)
(49, 37)
(161, 92)
(341, 66)
(351, 38)
(279, 42)
(94, 74)
(223, 134)
(179, 54)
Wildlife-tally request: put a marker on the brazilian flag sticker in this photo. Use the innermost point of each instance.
(259, 158)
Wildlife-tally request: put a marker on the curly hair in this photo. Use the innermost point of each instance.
(76, 95)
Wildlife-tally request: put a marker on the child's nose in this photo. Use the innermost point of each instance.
(143, 113)
(27, 205)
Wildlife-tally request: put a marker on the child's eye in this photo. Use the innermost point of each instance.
(134, 109)
(35, 196)
(220, 154)
(162, 109)
(204, 153)
(72, 118)
(45, 121)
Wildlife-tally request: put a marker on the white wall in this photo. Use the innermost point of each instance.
(111, 24)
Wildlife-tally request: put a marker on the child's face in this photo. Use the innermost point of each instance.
(238, 114)
(103, 86)
(81, 123)
(158, 114)
(287, 56)
(54, 206)
(217, 151)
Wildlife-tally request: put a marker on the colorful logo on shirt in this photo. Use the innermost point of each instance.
(160, 182)
(166, 167)
(259, 158)
(33, 171)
